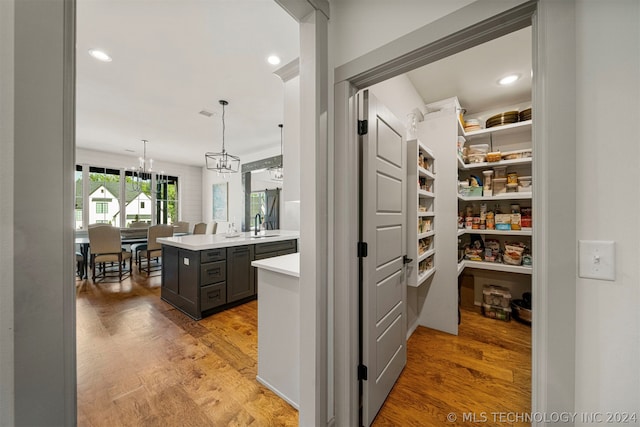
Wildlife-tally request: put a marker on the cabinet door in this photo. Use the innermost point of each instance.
(170, 268)
(240, 274)
(188, 269)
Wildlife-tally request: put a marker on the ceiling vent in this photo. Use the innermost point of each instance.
(206, 113)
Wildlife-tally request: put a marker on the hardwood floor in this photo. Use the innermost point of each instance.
(485, 370)
(143, 363)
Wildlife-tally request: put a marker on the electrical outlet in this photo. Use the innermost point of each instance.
(597, 259)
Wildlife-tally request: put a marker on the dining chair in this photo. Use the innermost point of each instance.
(181, 227)
(106, 246)
(200, 228)
(154, 249)
(212, 227)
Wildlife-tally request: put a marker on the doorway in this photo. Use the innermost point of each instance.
(472, 29)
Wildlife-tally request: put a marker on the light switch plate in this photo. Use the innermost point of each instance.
(597, 259)
(185, 261)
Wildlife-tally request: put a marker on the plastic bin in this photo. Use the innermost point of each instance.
(496, 296)
(494, 312)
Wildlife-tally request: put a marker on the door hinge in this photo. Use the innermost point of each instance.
(363, 127)
(363, 249)
(362, 372)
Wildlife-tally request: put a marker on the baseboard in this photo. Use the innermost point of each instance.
(278, 392)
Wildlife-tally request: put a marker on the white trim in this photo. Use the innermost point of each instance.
(274, 389)
(288, 71)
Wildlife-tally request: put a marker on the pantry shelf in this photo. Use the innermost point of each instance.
(524, 232)
(504, 129)
(423, 214)
(425, 173)
(424, 193)
(426, 255)
(507, 196)
(481, 265)
(427, 234)
(422, 277)
(514, 162)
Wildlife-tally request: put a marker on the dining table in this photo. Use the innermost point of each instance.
(83, 243)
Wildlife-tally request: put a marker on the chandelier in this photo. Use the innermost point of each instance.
(223, 163)
(276, 171)
(140, 173)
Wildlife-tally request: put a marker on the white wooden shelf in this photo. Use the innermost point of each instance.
(514, 162)
(426, 150)
(523, 232)
(426, 255)
(425, 235)
(495, 266)
(423, 277)
(423, 214)
(506, 196)
(504, 129)
(424, 193)
(426, 173)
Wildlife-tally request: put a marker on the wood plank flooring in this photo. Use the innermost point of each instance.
(143, 363)
(485, 370)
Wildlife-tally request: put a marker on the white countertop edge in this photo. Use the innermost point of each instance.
(199, 242)
(284, 264)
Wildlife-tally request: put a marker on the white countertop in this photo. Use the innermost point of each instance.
(285, 264)
(199, 242)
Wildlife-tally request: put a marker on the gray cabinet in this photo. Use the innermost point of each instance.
(240, 275)
(200, 283)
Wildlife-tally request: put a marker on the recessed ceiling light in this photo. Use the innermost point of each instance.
(508, 79)
(100, 55)
(273, 60)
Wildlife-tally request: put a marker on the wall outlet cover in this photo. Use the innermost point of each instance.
(597, 259)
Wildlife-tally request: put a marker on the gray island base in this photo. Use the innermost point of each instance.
(207, 273)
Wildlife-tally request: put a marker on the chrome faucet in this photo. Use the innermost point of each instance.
(257, 220)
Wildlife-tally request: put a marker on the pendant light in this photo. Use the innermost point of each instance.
(223, 163)
(276, 172)
(141, 173)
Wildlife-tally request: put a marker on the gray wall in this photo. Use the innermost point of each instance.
(44, 296)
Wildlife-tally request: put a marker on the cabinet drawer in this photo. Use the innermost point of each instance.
(212, 296)
(213, 272)
(287, 245)
(212, 255)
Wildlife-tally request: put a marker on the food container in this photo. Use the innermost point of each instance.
(520, 311)
(500, 171)
(479, 149)
(526, 222)
(496, 296)
(499, 186)
(476, 158)
(517, 154)
(513, 253)
(494, 156)
(503, 222)
(512, 178)
(500, 313)
(515, 221)
(512, 188)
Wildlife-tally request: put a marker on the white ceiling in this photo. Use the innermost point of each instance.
(172, 59)
(472, 75)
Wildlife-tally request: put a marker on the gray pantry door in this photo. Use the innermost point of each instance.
(382, 220)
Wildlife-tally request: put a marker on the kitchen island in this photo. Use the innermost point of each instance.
(206, 273)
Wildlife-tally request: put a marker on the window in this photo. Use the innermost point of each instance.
(102, 207)
(166, 199)
(104, 193)
(137, 193)
(258, 206)
(79, 198)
